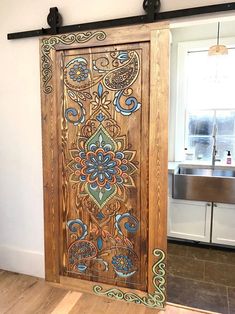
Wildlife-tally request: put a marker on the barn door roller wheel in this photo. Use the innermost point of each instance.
(157, 5)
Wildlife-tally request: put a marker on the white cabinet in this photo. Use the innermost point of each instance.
(223, 231)
(189, 220)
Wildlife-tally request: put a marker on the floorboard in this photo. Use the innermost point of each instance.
(21, 294)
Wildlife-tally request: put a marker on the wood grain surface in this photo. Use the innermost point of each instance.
(29, 295)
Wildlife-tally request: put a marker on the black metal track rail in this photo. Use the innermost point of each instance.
(216, 8)
(148, 18)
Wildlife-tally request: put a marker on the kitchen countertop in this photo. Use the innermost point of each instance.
(173, 165)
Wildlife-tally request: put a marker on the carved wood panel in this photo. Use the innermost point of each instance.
(104, 137)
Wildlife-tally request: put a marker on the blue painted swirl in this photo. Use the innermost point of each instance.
(74, 112)
(131, 102)
(74, 225)
(131, 225)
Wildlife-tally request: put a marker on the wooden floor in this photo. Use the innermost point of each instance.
(21, 294)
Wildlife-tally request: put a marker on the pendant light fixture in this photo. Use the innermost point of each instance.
(218, 50)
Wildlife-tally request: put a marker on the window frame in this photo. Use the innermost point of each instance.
(181, 89)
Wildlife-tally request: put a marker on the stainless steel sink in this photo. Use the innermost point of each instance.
(205, 184)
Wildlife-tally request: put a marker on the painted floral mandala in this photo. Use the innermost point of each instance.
(122, 262)
(123, 265)
(103, 166)
(79, 72)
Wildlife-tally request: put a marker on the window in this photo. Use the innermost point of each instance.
(207, 102)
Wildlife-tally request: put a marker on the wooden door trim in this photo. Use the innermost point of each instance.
(158, 144)
(158, 36)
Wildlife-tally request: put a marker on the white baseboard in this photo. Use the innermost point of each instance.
(20, 261)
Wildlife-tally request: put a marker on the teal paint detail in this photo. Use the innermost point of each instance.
(99, 243)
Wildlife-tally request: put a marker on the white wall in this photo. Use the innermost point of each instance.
(21, 198)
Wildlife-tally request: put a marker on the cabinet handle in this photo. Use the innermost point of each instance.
(208, 204)
(215, 205)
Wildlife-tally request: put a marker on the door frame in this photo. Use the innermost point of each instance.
(158, 36)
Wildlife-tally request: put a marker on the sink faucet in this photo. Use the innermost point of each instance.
(214, 152)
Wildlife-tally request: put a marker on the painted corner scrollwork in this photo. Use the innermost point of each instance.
(154, 300)
(68, 39)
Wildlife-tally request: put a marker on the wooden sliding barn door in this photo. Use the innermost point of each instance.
(104, 114)
(104, 131)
